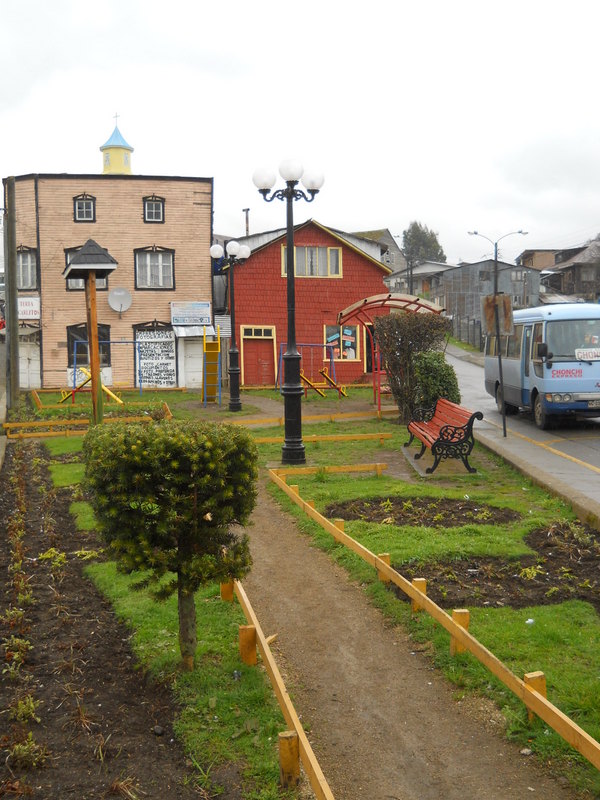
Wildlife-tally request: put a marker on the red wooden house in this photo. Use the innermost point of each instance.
(331, 274)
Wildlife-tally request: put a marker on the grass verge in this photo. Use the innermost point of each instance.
(564, 639)
(228, 712)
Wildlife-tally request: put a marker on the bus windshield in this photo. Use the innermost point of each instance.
(564, 337)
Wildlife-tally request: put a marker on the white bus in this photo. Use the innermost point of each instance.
(550, 364)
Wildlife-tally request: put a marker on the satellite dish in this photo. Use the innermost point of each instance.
(119, 299)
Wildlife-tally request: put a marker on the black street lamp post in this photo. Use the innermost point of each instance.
(236, 253)
(497, 319)
(291, 171)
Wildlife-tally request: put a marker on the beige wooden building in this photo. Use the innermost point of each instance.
(152, 310)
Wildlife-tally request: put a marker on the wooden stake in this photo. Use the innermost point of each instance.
(462, 617)
(227, 591)
(537, 682)
(289, 759)
(248, 644)
(339, 524)
(421, 585)
(92, 332)
(385, 557)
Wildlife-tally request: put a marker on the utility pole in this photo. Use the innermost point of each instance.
(11, 305)
(246, 212)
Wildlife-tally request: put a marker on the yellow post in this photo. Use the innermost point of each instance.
(248, 644)
(385, 557)
(295, 488)
(227, 591)
(421, 585)
(536, 681)
(289, 759)
(462, 617)
(339, 524)
(310, 503)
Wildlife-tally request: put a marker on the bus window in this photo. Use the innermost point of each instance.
(527, 347)
(537, 340)
(514, 343)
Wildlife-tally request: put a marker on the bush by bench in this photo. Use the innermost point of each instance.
(446, 429)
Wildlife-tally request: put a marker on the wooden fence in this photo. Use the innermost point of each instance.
(530, 690)
(309, 761)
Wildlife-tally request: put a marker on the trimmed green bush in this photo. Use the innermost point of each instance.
(402, 337)
(165, 494)
(435, 378)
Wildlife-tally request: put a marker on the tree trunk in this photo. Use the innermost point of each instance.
(188, 639)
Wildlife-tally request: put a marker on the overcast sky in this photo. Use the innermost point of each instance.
(462, 115)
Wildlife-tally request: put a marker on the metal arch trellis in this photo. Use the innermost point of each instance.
(361, 312)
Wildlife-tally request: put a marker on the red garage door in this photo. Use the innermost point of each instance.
(259, 362)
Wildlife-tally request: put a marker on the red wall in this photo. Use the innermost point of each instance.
(261, 296)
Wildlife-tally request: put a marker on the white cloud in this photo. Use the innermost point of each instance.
(460, 115)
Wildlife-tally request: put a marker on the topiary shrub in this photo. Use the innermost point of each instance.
(165, 494)
(435, 378)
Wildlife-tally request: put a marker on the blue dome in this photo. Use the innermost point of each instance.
(116, 140)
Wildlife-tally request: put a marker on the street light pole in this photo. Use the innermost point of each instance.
(497, 316)
(236, 253)
(291, 171)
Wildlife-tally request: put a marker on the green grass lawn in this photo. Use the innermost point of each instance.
(563, 641)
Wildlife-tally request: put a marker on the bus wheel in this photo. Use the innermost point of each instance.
(540, 416)
(509, 409)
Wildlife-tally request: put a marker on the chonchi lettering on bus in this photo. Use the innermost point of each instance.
(567, 373)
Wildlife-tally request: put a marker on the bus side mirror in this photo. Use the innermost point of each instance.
(543, 353)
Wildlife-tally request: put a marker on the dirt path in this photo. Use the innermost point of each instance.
(382, 722)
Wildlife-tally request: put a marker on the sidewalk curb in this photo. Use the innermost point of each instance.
(586, 509)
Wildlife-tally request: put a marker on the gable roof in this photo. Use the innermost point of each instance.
(267, 238)
(587, 255)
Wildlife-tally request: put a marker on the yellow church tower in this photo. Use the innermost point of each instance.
(116, 157)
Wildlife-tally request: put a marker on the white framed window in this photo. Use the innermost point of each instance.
(154, 269)
(314, 262)
(342, 342)
(154, 209)
(84, 208)
(26, 269)
(78, 284)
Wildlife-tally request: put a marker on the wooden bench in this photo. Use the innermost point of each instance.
(446, 429)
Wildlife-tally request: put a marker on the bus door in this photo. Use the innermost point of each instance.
(535, 367)
(526, 365)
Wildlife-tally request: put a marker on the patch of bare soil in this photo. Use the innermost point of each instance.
(80, 719)
(564, 564)
(429, 511)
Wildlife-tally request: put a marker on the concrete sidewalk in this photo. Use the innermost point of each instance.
(564, 476)
(530, 451)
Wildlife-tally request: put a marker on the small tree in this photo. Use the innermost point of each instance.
(401, 338)
(420, 243)
(165, 495)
